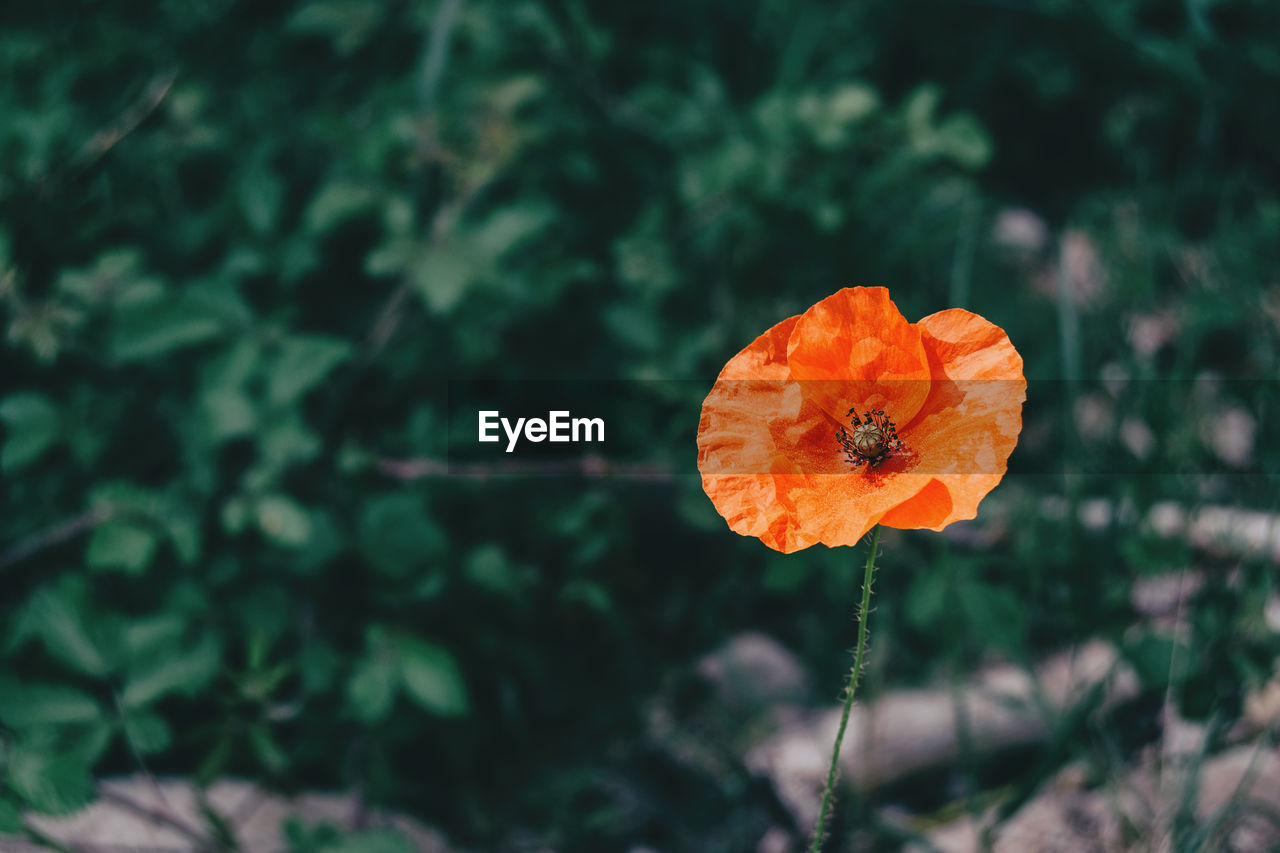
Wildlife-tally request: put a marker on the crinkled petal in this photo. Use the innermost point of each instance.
(771, 461)
(929, 507)
(744, 471)
(768, 446)
(969, 425)
(855, 350)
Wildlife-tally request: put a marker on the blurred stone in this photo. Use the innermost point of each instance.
(1220, 529)
(1095, 514)
(708, 715)
(1182, 740)
(1262, 704)
(1236, 531)
(963, 835)
(908, 731)
(1080, 268)
(1150, 333)
(1271, 306)
(1241, 788)
(1137, 437)
(1019, 230)
(753, 672)
(1062, 821)
(1115, 378)
(1229, 433)
(1094, 417)
(1167, 519)
(1271, 613)
(1195, 266)
(775, 840)
(136, 813)
(1160, 597)
(1236, 792)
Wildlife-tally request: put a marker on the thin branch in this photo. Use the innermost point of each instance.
(127, 122)
(436, 57)
(435, 60)
(591, 467)
(63, 531)
(40, 839)
(160, 817)
(166, 808)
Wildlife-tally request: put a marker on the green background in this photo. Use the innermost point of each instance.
(245, 246)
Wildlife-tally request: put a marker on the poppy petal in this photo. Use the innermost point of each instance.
(744, 471)
(970, 423)
(929, 508)
(771, 460)
(769, 438)
(855, 350)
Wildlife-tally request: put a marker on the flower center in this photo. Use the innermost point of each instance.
(873, 439)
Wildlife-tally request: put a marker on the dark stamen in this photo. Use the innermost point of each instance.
(873, 439)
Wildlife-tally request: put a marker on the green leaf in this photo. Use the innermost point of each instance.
(61, 617)
(235, 515)
(32, 427)
(122, 494)
(431, 677)
(348, 24)
(181, 671)
(228, 413)
(286, 442)
(441, 274)
(10, 817)
(830, 118)
(1154, 659)
(261, 192)
(234, 367)
(318, 666)
(185, 535)
(122, 545)
(116, 275)
(960, 137)
(283, 520)
(852, 102)
(507, 228)
(337, 202)
(146, 732)
(397, 536)
(49, 782)
(589, 594)
(487, 567)
(373, 841)
(31, 704)
(158, 326)
(966, 141)
(147, 635)
(372, 686)
(919, 109)
(266, 750)
(391, 258)
(304, 360)
(89, 741)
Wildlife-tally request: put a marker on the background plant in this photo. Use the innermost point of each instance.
(245, 246)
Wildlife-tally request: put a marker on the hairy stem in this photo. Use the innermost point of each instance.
(819, 832)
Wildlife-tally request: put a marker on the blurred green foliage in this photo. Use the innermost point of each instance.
(244, 246)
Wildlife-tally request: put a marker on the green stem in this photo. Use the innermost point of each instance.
(820, 831)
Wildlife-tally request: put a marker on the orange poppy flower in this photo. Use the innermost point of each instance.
(848, 416)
